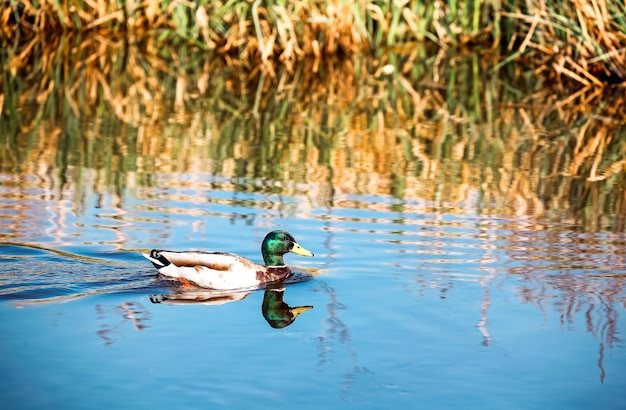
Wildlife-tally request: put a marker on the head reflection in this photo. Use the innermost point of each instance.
(275, 311)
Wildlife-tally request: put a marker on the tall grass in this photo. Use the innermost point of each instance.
(583, 40)
(578, 40)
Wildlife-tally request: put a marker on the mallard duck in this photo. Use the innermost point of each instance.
(227, 271)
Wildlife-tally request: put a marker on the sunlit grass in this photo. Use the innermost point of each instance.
(578, 40)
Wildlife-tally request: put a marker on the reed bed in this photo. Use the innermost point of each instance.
(574, 40)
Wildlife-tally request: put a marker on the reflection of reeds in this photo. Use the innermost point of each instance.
(581, 272)
(408, 124)
(581, 40)
(573, 277)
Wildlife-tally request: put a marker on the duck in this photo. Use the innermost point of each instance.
(228, 271)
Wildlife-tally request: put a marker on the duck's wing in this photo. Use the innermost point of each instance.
(214, 270)
(214, 260)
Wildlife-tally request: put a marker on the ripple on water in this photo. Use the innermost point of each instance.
(36, 275)
(436, 249)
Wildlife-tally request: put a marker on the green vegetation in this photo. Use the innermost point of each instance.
(582, 40)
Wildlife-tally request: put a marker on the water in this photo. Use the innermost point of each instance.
(461, 260)
(410, 306)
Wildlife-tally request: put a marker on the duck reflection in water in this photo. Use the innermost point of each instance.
(276, 312)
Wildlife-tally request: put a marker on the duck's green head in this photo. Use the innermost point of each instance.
(278, 243)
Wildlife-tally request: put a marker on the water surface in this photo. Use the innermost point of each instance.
(460, 261)
(410, 305)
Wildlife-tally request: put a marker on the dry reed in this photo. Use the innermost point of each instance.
(577, 40)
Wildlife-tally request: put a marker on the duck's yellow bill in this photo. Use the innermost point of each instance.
(299, 250)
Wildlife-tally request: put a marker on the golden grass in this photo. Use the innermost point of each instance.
(576, 40)
(582, 40)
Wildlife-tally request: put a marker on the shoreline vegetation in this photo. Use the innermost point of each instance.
(580, 40)
(453, 104)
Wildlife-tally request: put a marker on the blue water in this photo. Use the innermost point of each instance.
(414, 306)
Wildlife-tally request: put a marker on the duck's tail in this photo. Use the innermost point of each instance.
(159, 261)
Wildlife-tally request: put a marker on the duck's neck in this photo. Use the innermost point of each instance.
(272, 259)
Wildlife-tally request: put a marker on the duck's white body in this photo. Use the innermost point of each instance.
(215, 270)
